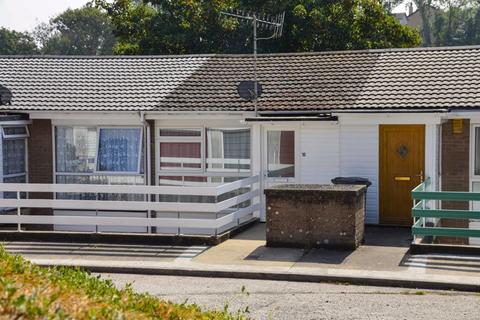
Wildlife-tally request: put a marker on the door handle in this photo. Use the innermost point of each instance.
(402, 178)
(420, 175)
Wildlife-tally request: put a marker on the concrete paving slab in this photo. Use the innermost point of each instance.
(365, 257)
(246, 256)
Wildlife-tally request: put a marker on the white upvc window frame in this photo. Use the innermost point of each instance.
(196, 172)
(473, 177)
(24, 137)
(297, 147)
(95, 172)
(247, 172)
(180, 139)
(15, 136)
(140, 149)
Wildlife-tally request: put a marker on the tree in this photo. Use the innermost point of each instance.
(449, 22)
(426, 9)
(13, 42)
(457, 23)
(196, 26)
(83, 31)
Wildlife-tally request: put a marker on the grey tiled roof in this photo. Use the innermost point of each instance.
(376, 79)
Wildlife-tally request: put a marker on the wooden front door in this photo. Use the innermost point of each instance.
(402, 161)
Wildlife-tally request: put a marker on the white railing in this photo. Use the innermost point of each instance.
(212, 216)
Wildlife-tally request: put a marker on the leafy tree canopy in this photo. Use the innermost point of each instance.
(83, 31)
(13, 42)
(196, 26)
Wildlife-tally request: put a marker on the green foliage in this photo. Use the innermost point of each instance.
(449, 22)
(13, 42)
(83, 31)
(196, 26)
(31, 292)
(457, 24)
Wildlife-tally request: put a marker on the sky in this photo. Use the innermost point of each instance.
(24, 15)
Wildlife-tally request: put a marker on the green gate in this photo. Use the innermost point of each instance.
(421, 211)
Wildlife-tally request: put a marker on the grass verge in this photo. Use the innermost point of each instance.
(31, 292)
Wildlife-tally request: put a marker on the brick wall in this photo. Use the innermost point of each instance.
(40, 152)
(40, 165)
(315, 216)
(455, 172)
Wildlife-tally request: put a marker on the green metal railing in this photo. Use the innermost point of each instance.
(421, 211)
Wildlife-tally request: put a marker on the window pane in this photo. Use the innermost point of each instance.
(13, 195)
(13, 156)
(281, 154)
(180, 132)
(228, 149)
(101, 179)
(119, 149)
(75, 149)
(180, 155)
(477, 151)
(186, 182)
(12, 131)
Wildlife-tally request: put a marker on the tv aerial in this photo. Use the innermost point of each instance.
(251, 90)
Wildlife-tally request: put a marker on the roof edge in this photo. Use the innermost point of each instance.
(223, 55)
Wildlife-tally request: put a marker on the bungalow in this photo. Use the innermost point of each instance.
(181, 152)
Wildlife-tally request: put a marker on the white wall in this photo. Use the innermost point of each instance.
(350, 147)
(319, 148)
(332, 150)
(359, 157)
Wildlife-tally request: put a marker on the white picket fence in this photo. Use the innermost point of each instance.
(212, 216)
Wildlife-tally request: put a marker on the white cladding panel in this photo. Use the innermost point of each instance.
(319, 153)
(341, 150)
(359, 157)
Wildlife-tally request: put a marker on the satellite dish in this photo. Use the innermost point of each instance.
(246, 90)
(5, 96)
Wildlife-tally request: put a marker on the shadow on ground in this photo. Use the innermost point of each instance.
(66, 250)
(444, 262)
(393, 237)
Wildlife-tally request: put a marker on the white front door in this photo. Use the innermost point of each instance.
(281, 156)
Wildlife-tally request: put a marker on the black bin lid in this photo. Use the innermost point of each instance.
(351, 180)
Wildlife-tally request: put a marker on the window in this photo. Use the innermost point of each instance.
(222, 150)
(180, 132)
(477, 152)
(106, 155)
(119, 150)
(14, 157)
(15, 132)
(180, 155)
(281, 154)
(180, 149)
(202, 157)
(75, 149)
(228, 150)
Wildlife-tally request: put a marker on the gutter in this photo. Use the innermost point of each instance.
(332, 111)
(293, 118)
(146, 129)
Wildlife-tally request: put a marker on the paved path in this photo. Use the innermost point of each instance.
(293, 300)
(383, 260)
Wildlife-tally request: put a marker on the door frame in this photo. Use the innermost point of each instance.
(272, 127)
(382, 169)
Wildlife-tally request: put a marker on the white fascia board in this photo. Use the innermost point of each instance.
(192, 122)
(389, 118)
(100, 116)
(197, 115)
(464, 114)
